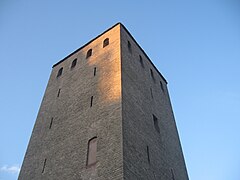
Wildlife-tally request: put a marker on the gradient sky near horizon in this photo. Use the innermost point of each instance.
(195, 44)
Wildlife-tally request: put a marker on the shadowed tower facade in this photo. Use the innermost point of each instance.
(105, 114)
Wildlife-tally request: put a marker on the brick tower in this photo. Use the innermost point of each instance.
(105, 115)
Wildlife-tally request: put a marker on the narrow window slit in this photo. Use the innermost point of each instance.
(173, 175)
(148, 156)
(59, 90)
(155, 121)
(141, 61)
(151, 93)
(50, 126)
(44, 164)
(91, 101)
(161, 84)
(129, 47)
(94, 71)
(152, 75)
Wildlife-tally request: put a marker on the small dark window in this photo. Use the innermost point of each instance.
(89, 53)
(172, 173)
(148, 155)
(59, 90)
(151, 93)
(74, 63)
(50, 126)
(92, 152)
(44, 164)
(152, 75)
(129, 47)
(155, 121)
(91, 101)
(94, 71)
(141, 61)
(60, 72)
(106, 42)
(161, 84)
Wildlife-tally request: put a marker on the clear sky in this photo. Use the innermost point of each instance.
(194, 43)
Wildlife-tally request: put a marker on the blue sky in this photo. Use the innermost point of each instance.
(195, 44)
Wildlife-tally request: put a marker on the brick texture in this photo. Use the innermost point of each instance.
(120, 117)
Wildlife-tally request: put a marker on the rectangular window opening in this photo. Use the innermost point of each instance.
(44, 164)
(155, 121)
(92, 152)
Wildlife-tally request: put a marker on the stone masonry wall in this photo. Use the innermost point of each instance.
(148, 154)
(65, 145)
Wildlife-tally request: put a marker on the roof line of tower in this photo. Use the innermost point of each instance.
(119, 23)
(143, 52)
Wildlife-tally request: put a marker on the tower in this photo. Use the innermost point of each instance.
(105, 114)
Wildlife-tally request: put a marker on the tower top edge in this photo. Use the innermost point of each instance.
(143, 52)
(115, 25)
(87, 43)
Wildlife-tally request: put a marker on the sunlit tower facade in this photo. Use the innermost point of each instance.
(105, 114)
